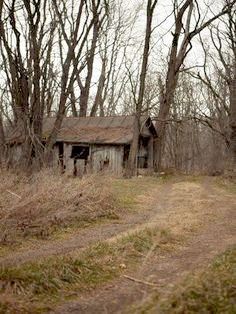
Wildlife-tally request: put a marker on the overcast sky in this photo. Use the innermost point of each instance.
(162, 37)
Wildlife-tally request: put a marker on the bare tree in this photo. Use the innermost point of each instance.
(2, 135)
(2, 138)
(222, 87)
(195, 140)
(99, 14)
(113, 43)
(72, 63)
(25, 90)
(132, 163)
(181, 45)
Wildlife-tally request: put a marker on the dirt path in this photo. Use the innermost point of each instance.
(200, 212)
(116, 297)
(208, 240)
(87, 236)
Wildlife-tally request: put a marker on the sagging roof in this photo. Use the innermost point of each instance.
(98, 130)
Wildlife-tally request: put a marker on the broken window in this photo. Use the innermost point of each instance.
(143, 153)
(126, 155)
(80, 152)
(142, 162)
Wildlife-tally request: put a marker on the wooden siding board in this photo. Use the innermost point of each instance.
(150, 152)
(102, 153)
(69, 162)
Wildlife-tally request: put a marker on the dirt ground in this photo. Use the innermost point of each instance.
(211, 233)
(199, 212)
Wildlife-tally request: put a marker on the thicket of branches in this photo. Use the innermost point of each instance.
(98, 57)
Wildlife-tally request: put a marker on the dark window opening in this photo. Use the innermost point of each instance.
(144, 141)
(61, 149)
(143, 153)
(80, 152)
(126, 155)
(142, 162)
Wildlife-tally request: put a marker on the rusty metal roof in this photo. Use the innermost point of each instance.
(95, 130)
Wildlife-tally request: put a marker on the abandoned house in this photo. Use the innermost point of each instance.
(93, 144)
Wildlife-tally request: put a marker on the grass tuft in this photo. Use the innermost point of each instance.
(210, 291)
(127, 191)
(54, 278)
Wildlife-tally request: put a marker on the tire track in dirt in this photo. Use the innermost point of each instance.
(85, 237)
(117, 296)
(208, 241)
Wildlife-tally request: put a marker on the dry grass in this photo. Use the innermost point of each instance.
(210, 291)
(129, 192)
(55, 279)
(186, 207)
(40, 204)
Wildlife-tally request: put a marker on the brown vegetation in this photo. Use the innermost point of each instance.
(170, 226)
(38, 205)
(211, 290)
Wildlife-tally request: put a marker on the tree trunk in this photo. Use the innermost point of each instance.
(2, 140)
(98, 99)
(37, 109)
(165, 103)
(84, 96)
(73, 104)
(233, 122)
(175, 60)
(178, 54)
(132, 162)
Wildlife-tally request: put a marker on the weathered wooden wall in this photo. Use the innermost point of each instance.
(68, 161)
(150, 153)
(55, 156)
(101, 158)
(107, 157)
